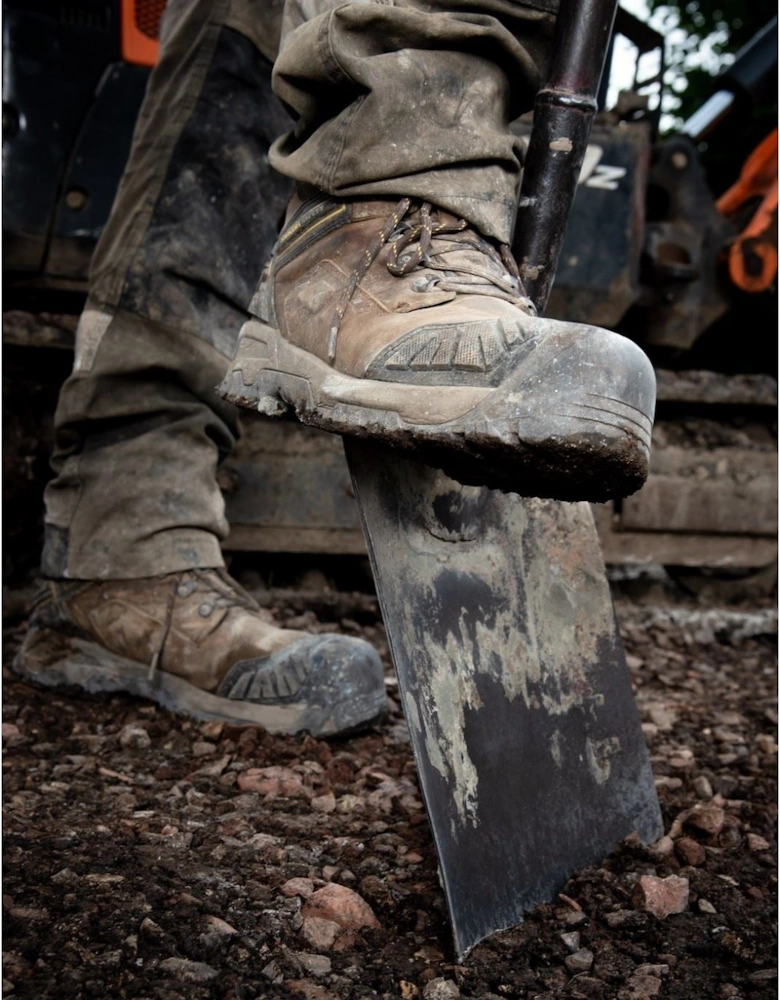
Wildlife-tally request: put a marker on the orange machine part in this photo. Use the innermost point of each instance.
(752, 257)
(141, 31)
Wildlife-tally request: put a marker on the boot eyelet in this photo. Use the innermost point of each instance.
(205, 610)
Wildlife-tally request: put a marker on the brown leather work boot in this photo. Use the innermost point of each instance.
(195, 643)
(400, 322)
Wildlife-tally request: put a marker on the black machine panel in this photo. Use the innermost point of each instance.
(96, 164)
(69, 106)
(598, 271)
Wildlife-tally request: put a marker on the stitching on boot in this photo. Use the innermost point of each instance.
(319, 219)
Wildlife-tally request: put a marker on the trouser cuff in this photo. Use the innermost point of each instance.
(171, 551)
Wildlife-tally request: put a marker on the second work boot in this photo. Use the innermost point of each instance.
(196, 643)
(398, 321)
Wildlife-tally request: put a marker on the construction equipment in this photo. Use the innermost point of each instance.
(75, 76)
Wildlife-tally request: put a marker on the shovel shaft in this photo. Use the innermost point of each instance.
(563, 114)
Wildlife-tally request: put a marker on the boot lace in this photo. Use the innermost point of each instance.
(411, 247)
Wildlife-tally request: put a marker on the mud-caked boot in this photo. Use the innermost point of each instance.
(400, 322)
(197, 643)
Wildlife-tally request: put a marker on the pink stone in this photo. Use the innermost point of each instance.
(341, 905)
(221, 926)
(757, 843)
(643, 987)
(690, 852)
(324, 803)
(298, 887)
(271, 781)
(308, 989)
(319, 933)
(707, 817)
(661, 896)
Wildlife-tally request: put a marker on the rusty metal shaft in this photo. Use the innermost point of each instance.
(563, 114)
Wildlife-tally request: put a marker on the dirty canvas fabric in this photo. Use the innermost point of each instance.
(377, 98)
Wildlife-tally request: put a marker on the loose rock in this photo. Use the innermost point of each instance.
(650, 969)
(319, 933)
(183, 968)
(441, 989)
(134, 737)
(661, 896)
(642, 986)
(303, 887)
(315, 965)
(661, 848)
(220, 926)
(757, 843)
(308, 990)
(212, 730)
(65, 877)
(623, 918)
(571, 939)
(690, 852)
(341, 905)
(272, 782)
(706, 817)
(350, 803)
(580, 961)
(324, 803)
(272, 972)
(214, 768)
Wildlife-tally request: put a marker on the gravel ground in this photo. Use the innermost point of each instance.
(147, 856)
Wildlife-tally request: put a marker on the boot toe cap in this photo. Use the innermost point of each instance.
(337, 680)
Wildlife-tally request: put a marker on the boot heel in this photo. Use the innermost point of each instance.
(253, 377)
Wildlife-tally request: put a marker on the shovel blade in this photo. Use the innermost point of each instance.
(512, 676)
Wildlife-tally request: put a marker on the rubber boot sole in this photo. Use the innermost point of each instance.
(571, 421)
(56, 660)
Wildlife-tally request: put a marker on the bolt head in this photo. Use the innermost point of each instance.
(76, 199)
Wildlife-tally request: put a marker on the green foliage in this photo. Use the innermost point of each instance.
(710, 33)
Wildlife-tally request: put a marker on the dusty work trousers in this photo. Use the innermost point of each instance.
(388, 97)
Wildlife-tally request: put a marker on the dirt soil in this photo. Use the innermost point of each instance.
(147, 856)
